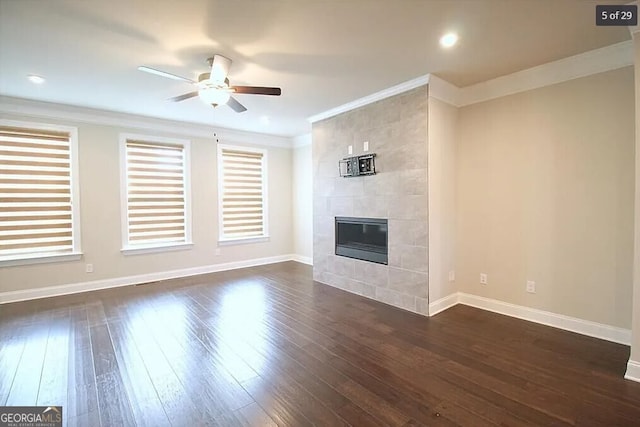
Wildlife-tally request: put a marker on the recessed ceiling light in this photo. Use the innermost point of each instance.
(35, 79)
(448, 40)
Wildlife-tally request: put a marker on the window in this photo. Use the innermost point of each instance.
(39, 203)
(242, 195)
(155, 193)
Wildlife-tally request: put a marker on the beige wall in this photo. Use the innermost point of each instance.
(635, 329)
(100, 214)
(443, 119)
(545, 193)
(302, 192)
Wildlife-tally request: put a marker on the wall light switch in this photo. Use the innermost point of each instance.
(351, 149)
(365, 146)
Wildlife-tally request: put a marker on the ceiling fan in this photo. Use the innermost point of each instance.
(214, 87)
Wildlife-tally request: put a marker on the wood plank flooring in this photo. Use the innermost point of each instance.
(267, 346)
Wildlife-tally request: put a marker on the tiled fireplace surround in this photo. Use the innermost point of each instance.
(396, 129)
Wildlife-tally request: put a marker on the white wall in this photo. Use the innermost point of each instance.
(99, 177)
(302, 191)
(442, 126)
(545, 193)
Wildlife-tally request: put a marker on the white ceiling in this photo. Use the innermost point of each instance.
(322, 53)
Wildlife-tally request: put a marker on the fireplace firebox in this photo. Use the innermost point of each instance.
(362, 238)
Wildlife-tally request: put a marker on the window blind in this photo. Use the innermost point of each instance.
(155, 193)
(242, 194)
(35, 193)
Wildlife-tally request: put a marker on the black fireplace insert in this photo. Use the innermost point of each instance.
(362, 238)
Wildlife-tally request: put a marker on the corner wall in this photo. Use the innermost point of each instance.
(443, 121)
(302, 192)
(396, 129)
(633, 367)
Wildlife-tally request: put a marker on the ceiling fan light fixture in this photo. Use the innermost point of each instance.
(212, 95)
(217, 74)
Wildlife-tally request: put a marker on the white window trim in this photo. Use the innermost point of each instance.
(128, 249)
(225, 241)
(152, 249)
(48, 257)
(242, 240)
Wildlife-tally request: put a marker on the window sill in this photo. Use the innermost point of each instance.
(242, 240)
(40, 259)
(139, 250)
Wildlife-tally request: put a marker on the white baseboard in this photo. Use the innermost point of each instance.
(74, 288)
(633, 371)
(443, 303)
(573, 324)
(302, 259)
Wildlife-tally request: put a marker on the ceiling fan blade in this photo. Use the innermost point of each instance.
(235, 105)
(257, 90)
(219, 68)
(164, 74)
(183, 97)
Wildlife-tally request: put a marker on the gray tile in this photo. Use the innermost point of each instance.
(341, 206)
(402, 232)
(414, 182)
(385, 183)
(368, 291)
(409, 282)
(397, 299)
(422, 306)
(371, 207)
(352, 187)
(394, 256)
(414, 258)
(341, 266)
(371, 273)
(408, 207)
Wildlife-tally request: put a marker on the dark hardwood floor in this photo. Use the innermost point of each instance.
(267, 346)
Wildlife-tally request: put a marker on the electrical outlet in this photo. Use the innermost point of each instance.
(483, 278)
(351, 149)
(365, 146)
(88, 268)
(452, 276)
(531, 286)
(217, 251)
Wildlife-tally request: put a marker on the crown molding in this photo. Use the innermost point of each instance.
(585, 64)
(596, 61)
(49, 110)
(444, 91)
(370, 99)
